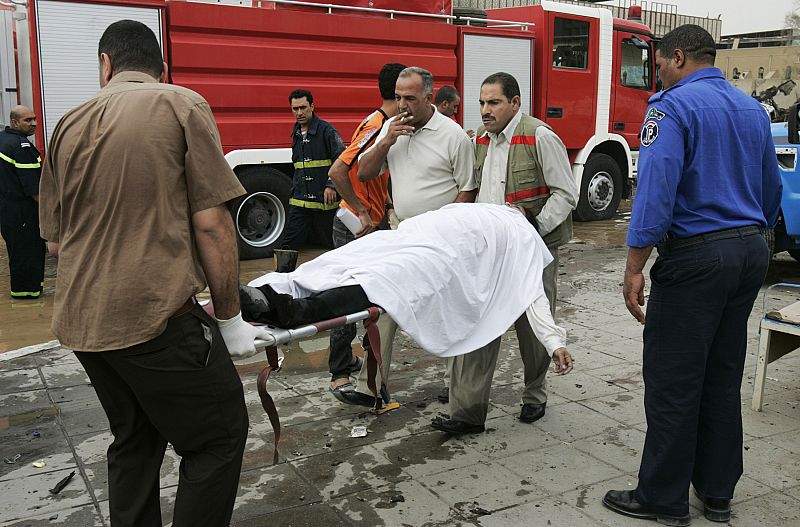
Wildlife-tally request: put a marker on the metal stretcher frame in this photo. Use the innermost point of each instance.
(281, 336)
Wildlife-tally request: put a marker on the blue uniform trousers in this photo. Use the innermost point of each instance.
(695, 339)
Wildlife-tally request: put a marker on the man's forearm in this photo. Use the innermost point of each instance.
(341, 180)
(369, 164)
(637, 258)
(216, 244)
(466, 196)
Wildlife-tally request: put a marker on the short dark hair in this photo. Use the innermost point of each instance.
(299, 94)
(445, 93)
(695, 42)
(506, 81)
(425, 75)
(132, 46)
(387, 79)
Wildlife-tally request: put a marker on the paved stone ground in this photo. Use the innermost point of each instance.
(403, 473)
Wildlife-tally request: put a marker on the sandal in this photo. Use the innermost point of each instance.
(347, 394)
(356, 367)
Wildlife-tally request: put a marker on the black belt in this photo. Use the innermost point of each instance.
(680, 243)
(185, 308)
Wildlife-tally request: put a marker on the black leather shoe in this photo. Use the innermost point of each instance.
(444, 395)
(451, 426)
(715, 509)
(532, 412)
(624, 502)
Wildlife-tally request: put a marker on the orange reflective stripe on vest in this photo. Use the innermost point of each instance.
(523, 140)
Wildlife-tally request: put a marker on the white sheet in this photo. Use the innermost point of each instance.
(454, 279)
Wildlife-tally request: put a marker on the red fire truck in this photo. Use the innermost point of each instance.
(585, 73)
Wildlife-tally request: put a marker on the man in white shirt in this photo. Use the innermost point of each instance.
(522, 162)
(431, 162)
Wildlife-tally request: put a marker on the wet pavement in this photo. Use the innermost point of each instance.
(553, 472)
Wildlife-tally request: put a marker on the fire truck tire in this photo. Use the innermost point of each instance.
(260, 216)
(469, 12)
(601, 189)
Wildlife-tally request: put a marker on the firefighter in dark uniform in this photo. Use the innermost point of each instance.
(315, 146)
(20, 168)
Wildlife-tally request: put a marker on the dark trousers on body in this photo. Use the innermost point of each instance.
(19, 226)
(181, 388)
(341, 355)
(302, 222)
(695, 340)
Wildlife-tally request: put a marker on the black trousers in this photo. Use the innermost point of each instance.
(289, 312)
(19, 226)
(695, 340)
(302, 222)
(341, 355)
(181, 388)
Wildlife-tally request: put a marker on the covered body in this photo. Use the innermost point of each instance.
(454, 279)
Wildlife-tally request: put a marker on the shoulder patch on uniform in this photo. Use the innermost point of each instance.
(367, 136)
(654, 113)
(649, 133)
(25, 145)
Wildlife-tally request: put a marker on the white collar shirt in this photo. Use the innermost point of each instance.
(493, 177)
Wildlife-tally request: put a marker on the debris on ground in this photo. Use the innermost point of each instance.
(63, 483)
(358, 431)
(39, 463)
(13, 459)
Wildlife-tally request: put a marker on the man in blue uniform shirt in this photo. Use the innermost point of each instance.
(708, 187)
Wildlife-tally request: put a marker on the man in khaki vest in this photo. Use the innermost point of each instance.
(520, 161)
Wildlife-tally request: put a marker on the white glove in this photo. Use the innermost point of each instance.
(240, 336)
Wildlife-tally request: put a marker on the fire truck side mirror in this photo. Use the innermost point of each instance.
(794, 124)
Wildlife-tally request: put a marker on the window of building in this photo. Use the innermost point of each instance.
(571, 44)
(635, 64)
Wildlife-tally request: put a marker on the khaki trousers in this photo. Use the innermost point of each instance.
(471, 374)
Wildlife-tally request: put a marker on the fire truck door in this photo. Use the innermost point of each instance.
(633, 85)
(571, 98)
(8, 77)
(68, 34)
(483, 55)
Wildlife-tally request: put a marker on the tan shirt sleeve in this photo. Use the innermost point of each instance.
(49, 202)
(210, 181)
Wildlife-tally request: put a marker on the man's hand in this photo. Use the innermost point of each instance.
(330, 196)
(239, 336)
(470, 133)
(367, 225)
(562, 361)
(633, 292)
(397, 128)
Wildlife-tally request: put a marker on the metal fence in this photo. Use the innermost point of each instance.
(658, 16)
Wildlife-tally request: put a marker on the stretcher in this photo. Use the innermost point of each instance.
(281, 336)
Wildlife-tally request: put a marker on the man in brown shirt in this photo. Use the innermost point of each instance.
(133, 201)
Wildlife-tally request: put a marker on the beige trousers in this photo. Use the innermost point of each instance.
(471, 374)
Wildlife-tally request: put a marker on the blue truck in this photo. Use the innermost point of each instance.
(787, 143)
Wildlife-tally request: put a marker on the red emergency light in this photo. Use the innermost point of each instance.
(635, 13)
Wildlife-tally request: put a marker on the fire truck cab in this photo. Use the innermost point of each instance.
(585, 73)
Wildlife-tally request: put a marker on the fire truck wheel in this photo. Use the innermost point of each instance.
(260, 215)
(601, 189)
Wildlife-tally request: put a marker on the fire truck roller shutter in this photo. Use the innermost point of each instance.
(601, 188)
(260, 215)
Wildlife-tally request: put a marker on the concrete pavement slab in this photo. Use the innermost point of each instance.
(28, 496)
(349, 471)
(771, 465)
(553, 512)
(405, 503)
(620, 447)
(82, 516)
(625, 407)
(575, 421)
(15, 381)
(64, 374)
(559, 468)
